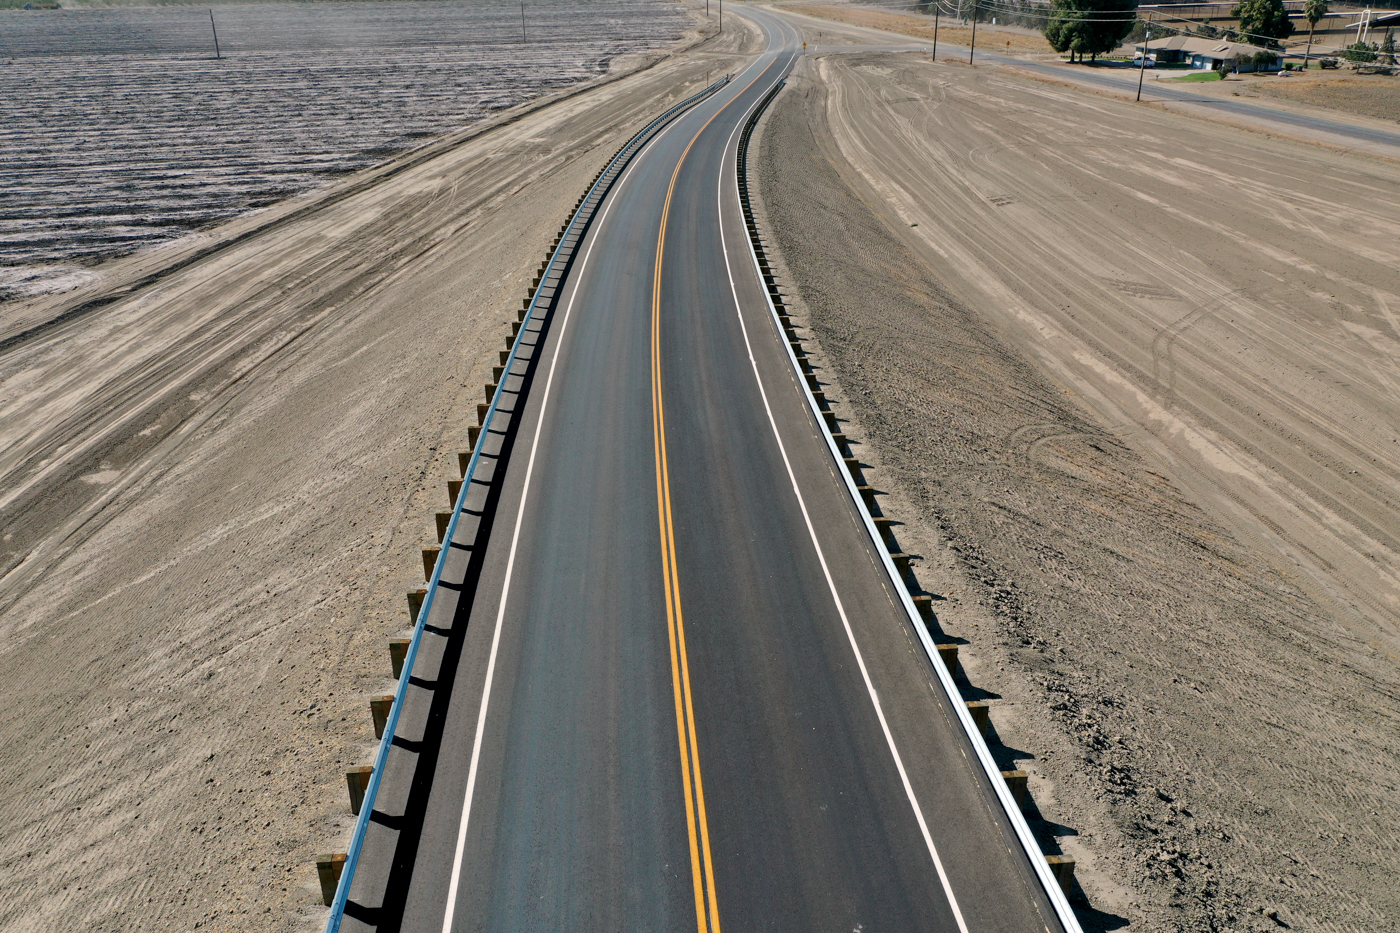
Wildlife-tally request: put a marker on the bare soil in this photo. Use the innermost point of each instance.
(123, 130)
(922, 27)
(1375, 96)
(1109, 364)
(215, 490)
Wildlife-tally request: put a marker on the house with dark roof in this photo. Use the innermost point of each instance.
(1199, 52)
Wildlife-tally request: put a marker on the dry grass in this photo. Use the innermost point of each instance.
(922, 27)
(1365, 95)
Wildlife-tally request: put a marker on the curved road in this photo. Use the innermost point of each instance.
(687, 695)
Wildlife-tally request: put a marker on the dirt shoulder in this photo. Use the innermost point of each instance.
(234, 468)
(1209, 728)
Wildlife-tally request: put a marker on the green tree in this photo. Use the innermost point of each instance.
(1360, 52)
(1089, 27)
(1263, 19)
(1313, 11)
(1388, 48)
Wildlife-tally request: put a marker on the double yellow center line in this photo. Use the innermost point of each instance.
(697, 824)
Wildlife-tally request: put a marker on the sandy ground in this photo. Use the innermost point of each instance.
(995, 38)
(1375, 96)
(216, 486)
(1130, 381)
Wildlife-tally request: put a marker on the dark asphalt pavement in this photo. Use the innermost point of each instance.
(665, 712)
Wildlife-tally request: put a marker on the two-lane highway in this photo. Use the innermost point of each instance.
(688, 694)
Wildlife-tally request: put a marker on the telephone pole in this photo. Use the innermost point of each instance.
(522, 24)
(1146, 38)
(216, 35)
(936, 7)
(973, 47)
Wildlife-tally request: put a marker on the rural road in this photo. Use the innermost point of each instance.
(688, 693)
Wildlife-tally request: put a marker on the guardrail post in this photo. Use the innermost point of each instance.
(415, 602)
(454, 489)
(357, 779)
(1016, 783)
(398, 650)
(430, 556)
(379, 710)
(328, 868)
(443, 519)
(1062, 867)
(980, 711)
(949, 655)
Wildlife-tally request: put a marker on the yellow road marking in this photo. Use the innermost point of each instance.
(697, 822)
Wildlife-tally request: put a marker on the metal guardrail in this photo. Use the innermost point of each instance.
(560, 257)
(1063, 911)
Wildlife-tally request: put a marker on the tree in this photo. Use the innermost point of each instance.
(1089, 27)
(1263, 19)
(1388, 48)
(1360, 52)
(1313, 11)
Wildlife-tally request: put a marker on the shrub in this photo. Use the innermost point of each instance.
(1360, 52)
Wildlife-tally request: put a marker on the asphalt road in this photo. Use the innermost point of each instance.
(687, 692)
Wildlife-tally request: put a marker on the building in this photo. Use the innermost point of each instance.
(1199, 52)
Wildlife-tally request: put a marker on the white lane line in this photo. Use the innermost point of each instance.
(451, 908)
(830, 583)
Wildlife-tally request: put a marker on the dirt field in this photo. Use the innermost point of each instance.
(219, 486)
(922, 27)
(1130, 379)
(1374, 96)
(130, 133)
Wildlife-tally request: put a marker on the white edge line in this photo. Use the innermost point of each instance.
(1013, 813)
(831, 584)
(450, 911)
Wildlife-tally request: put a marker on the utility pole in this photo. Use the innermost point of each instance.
(936, 8)
(216, 35)
(1142, 70)
(974, 33)
(522, 24)
(721, 16)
